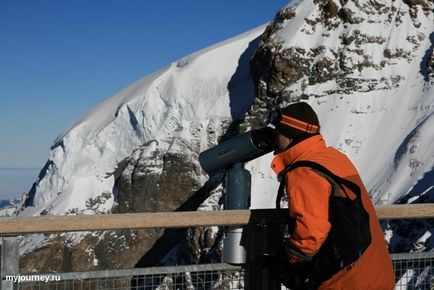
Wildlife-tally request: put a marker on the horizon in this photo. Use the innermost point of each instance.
(20, 168)
(17, 181)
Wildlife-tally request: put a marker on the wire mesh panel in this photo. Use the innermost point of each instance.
(197, 277)
(414, 270)
(191, 281)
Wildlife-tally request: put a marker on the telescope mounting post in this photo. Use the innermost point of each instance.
(243, 245)
(238, 181)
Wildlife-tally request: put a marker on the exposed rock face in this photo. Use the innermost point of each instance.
(285, 72)
(203, 244)
(431, 64)
(96, 251)
(162, 176)
(430, 60)
(156, 181)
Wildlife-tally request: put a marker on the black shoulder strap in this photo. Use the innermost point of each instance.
(304, 163)
(281, 178)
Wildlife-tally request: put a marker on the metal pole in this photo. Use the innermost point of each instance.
(247, 245)
(238, 181)
(9, 263)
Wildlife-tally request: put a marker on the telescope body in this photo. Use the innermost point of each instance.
(231, 156)
(239, 149)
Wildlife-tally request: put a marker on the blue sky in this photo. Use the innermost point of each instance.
(58, 59)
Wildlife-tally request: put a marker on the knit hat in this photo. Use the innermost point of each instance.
(296, 121)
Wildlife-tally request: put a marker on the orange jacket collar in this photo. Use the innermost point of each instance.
(295, 153)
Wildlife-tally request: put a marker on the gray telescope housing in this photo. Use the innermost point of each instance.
(239, 149)
(231, 156)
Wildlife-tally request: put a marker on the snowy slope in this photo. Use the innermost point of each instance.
(193, 89)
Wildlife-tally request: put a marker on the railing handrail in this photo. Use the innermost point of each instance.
(69, 223)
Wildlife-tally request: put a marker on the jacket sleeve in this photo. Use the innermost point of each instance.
(308, 197)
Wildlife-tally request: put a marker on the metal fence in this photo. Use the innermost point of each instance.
(413, 271)
(197, 277)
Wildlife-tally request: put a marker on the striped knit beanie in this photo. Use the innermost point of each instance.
(297, 121)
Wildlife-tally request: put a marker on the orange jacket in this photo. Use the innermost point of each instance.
(308, 196)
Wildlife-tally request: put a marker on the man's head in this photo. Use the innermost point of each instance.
(294, 124)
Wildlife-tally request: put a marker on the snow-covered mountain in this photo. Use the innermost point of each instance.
(189, 95)
(138, 151)
(367, 69)
(10, 207)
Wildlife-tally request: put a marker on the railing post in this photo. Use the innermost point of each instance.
(9, 261)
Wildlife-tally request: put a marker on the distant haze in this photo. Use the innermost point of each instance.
(14, 182)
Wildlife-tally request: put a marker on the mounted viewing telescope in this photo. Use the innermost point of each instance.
(231, 156)
(240, 149)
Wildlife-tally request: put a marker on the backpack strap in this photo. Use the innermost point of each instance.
(281, 179)
(318, 167)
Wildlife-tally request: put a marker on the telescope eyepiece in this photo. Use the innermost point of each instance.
(264, 139)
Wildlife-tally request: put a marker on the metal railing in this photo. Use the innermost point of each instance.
(186, 219)
(412, 270)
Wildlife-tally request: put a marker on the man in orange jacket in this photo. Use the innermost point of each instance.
(324, 234)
